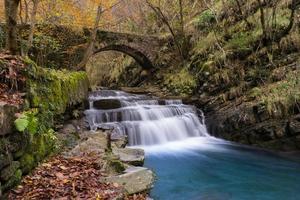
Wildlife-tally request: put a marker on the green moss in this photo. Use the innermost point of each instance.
(9, 171)
(182, 82)
(27, 162)
(14, 180)
(50, 92)
(55, 90)
(117, 166)
(204, 20)
(242, 42)
(207, 43)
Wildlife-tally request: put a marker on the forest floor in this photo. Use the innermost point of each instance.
(75, 173)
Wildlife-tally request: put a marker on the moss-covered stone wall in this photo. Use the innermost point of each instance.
(49, 94)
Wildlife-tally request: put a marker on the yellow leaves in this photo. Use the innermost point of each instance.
(73, 12)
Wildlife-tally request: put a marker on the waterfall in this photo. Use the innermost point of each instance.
(145, 120)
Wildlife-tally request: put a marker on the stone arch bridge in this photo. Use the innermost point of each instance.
(143, 49)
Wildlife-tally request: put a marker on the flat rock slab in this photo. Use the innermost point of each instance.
(134, 157)
(96, 143)
(135, 180)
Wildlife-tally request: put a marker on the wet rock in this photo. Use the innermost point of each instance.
(9, 171)
(294, 127)
(260, 113)
(106, 104)
(135, 180)
(7, 117)
(134, 157)
(143, 90)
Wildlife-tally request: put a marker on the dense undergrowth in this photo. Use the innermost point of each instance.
(230, 58)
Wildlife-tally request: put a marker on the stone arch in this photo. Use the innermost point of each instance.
(138, 56)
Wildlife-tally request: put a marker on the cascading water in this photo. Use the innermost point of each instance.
(145, 120)
(189, 164)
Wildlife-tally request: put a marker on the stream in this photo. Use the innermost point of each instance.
(188, 162)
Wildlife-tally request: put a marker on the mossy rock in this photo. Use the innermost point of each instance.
(18, 144)
(27, 163)
(56, 90)
(9, 171)
(5, 159)
(14, 180)
(117, 165)
(4, 145)
(39, 148)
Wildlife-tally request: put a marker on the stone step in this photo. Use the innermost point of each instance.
(130, 156)
(134, 180)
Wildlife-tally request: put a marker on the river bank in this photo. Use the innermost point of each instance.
(89, 168)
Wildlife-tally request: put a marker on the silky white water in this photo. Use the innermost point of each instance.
(146, 121)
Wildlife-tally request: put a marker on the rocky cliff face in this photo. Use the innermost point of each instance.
(248, 123)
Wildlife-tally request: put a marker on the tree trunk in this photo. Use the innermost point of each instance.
(164, 20)
(242, 14)
(90, 48)
(32, 27)
(181, 17)
(263, 21)
(11, 12)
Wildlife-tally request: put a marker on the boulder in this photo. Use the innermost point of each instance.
(96, 144)
(135, 180)
(7, 117)
(107, 104)
(134, 157)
